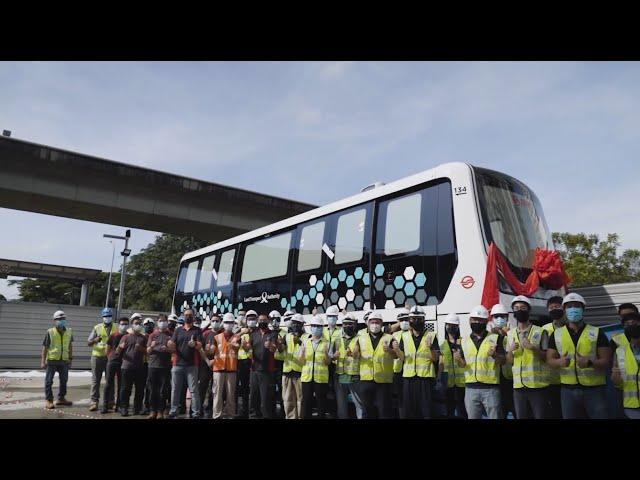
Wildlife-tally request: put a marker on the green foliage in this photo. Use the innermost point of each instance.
(591, 261)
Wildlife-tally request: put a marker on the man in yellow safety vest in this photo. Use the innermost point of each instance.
(57, 353)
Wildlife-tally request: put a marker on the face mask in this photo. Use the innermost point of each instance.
(453, 330)
(404, 325)
(122, 328)
(137, 328)
(228, 327)
(556, 313)
(148, 328)
(417, 324)
(163, 325)
(574, 314)
(632, 331)
(263, 325)
(60, 323)
(252, 323)
(499, 321)
(522, 316)
(316, 331)
(172, 325)
(332, 321)
(107, 320)
(295, 328)
(349, 330)
(188, 320)
(478, 327)
(375, 328)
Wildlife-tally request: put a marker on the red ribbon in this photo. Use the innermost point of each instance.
(547, 271)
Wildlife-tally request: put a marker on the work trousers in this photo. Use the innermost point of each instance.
(309, 389)
(242, 385)
(277, 380)
(398, 407)
(531, 403)
(342, 398)
(157, 380)
(110, 388)
(205, 386)
(262, 384)
(506, 398)
(376, 399)
(62, 368)
(331, 403)
(224, 386)
(417, 393)
(632, 413)
(555, 402)
(483, 400)
(98, 368)
(131, 377)
(147, 386)
(584, 402)
(182, 376)
(455, 403)
(292, 396)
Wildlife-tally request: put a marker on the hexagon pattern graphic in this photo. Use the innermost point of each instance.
(406, 289)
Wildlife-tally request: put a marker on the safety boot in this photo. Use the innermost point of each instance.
(48, 404)
(64, 402)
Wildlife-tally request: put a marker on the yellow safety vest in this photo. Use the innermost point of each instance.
(505, 368)
(455, 376)
(59, 345)
(554, 373)
(100, 348)
(242, 353)
(397, 363)
(629, 371)
(480, 366)
(528, 370)
(314, 368)
(347, 365)
(418, 362)
(335, 335)
(375, 365)
(587, 346)
(291, 362)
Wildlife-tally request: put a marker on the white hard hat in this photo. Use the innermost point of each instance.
(375, 316)
(296, 317)
(58, 315)
(288, 314)
(366, 315)
(573, 297)
(479, 312)
(339, 322)
(148, 320)
(452, 319)
(332, 310)
(317, 321)
(251, 313)
(416, 311)
(404, 312)
(136, 315)
(499, 309)
(173, 317)
(350, 317)
(274, 313)
(520, 298)
(228, 318)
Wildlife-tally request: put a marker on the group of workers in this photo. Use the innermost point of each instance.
(340, 367)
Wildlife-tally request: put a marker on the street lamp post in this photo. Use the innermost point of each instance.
(113, 254)
(125, 253)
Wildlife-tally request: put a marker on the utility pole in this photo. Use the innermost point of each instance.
(125, 253)
(113, 254)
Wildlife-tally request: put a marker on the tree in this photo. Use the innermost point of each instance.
(591, 261)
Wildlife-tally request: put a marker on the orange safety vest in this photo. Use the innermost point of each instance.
(226, 357)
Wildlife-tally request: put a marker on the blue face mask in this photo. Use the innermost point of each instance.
(574, 314)
(316, 331)
(499, 322)
(60, 323)
(107, 320)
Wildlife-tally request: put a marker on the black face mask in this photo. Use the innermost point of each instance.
(350, 330)
(478, 327)
(522, 316)
(632, 331)
(417, 324)
(454, 331)
(556, 313)
(148, 328)
(626, 316)
(188, 320)
(263, 325)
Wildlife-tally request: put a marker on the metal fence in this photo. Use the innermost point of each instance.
(23, 326)
(602, 301)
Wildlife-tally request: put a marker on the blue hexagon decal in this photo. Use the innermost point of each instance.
(365, 278)
(283, 303)
(299, 294)
(327, 277)
(398, 282)
(319, 285)
(334, 283)
(226, 302)
(293, 301)
(312, 292)
(350, 281)
(420, 279)
(379, 270)
(409, 289)
(358, 272)
(240, 306)
(305, 300)
(342, 275)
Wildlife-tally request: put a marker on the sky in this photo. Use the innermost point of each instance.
(320, 131)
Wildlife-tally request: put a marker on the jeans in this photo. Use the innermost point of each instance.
(158, 377)
(179, 376)
(113, 373)
(532, 403)
(224, 385)
(376, 399)
(342, 392)
(632, 413)
(262, 384)
(63, 374)
(480, 400)
(131, 377)
(320, 390)
(98, 368)
(584, 402)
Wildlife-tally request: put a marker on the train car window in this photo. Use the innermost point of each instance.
(310, 247)
(267, 258)
(402, 227)
(207, 275)
(350, 237)
(190, 277)
(226, 268)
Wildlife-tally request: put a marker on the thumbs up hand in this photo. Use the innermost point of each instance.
(192, 343)
(583, 362)
(564, 360)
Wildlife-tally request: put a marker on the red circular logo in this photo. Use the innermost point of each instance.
(467, 282)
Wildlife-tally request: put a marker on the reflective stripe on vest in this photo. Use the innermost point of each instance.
(59, 345)
(226, 357)
(480, 366)
(242, 353)
(314, 368)
(397, 363)
(455, 377)
(528, 370)
(505, 368)
(629, 372)
(418, 362)
(587, 347)
(554, 373)
(375, 365)
(291, 362)
(347, 365)
(100, 349)
(335, 335)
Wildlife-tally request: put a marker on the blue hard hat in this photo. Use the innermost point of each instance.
(106, 312)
